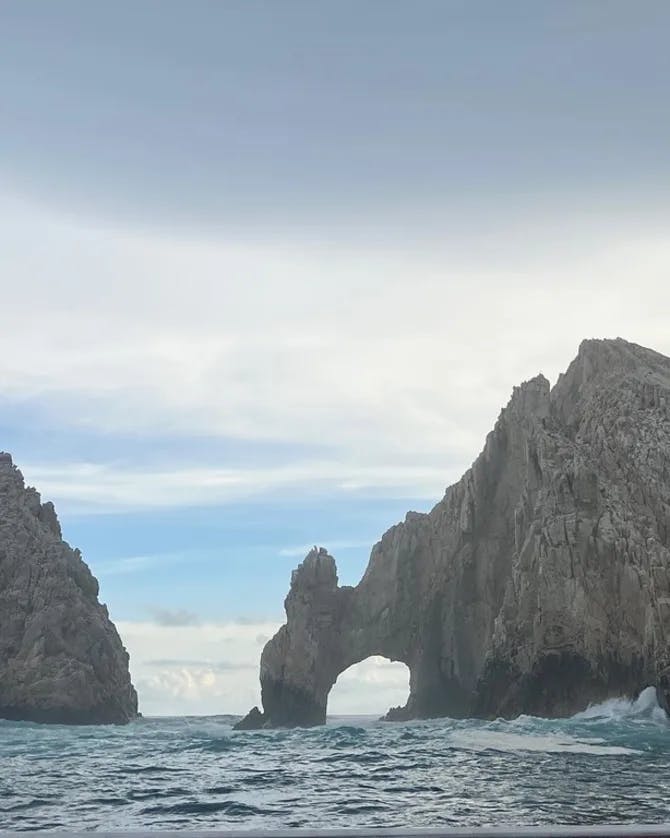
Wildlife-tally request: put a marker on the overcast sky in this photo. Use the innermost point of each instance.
(269, 271)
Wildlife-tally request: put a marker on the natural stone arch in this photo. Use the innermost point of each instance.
(369, 687)
(540, 582)
(330, 628)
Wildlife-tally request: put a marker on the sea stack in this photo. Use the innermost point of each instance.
(61, 659)
(539, 584)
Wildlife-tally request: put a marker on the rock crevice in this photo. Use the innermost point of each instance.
(540, 582)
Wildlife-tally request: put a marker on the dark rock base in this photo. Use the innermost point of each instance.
(67, 716)
(287, 706)
(559, 685)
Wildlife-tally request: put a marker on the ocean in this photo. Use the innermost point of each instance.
(610, 764)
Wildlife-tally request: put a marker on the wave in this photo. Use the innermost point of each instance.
(645, 707)
(621, 727)
(605, 764)
(229, 807)
(493, 740)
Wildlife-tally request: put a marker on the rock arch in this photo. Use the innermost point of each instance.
(331, 628)
(538, 584)
(326, 632)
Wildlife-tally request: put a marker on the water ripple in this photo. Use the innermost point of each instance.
(608, 764)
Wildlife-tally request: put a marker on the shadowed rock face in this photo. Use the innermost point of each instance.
(61, 659)
(538, 584)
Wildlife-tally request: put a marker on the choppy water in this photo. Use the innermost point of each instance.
(609, 764)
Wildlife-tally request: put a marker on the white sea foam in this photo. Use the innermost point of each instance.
(484, 740)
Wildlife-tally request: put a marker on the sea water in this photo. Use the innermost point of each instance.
(608, 764)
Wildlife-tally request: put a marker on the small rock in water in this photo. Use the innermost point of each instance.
(254, 720)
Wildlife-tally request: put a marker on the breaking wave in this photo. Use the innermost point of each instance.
(644, 707)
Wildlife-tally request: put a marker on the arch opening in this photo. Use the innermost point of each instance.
(369, 688)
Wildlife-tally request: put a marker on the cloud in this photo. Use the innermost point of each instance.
(396, 359)
(187, 663)
(175, 617)
(202, 669)
(103, 487)
(246, 621)
(371, 686)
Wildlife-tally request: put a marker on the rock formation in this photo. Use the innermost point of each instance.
(540, 582)
(61, 659)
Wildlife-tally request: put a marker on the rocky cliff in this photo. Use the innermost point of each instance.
(538, 584)
(61, 659)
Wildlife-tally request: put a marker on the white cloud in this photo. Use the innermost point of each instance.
(394, 358)
(87, 487)
(212, 668)
(370, 687)
(192, 680)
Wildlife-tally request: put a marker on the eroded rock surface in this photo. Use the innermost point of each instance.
(61, 659)
(540, 582)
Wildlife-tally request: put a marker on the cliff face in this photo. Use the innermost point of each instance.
(538, 584)
(61, 659)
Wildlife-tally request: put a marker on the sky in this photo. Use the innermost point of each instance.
(269, 271)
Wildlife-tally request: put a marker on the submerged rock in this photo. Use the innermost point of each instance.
(61, 659)
(540, 582)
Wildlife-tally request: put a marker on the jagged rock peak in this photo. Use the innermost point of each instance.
(538, 584)
(317, 570)
(611, 357)
(61, 659)
(531, 396)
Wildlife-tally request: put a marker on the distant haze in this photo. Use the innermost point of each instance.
(270, 270)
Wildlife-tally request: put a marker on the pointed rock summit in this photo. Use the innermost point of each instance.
(61, 659)
(539, 584)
